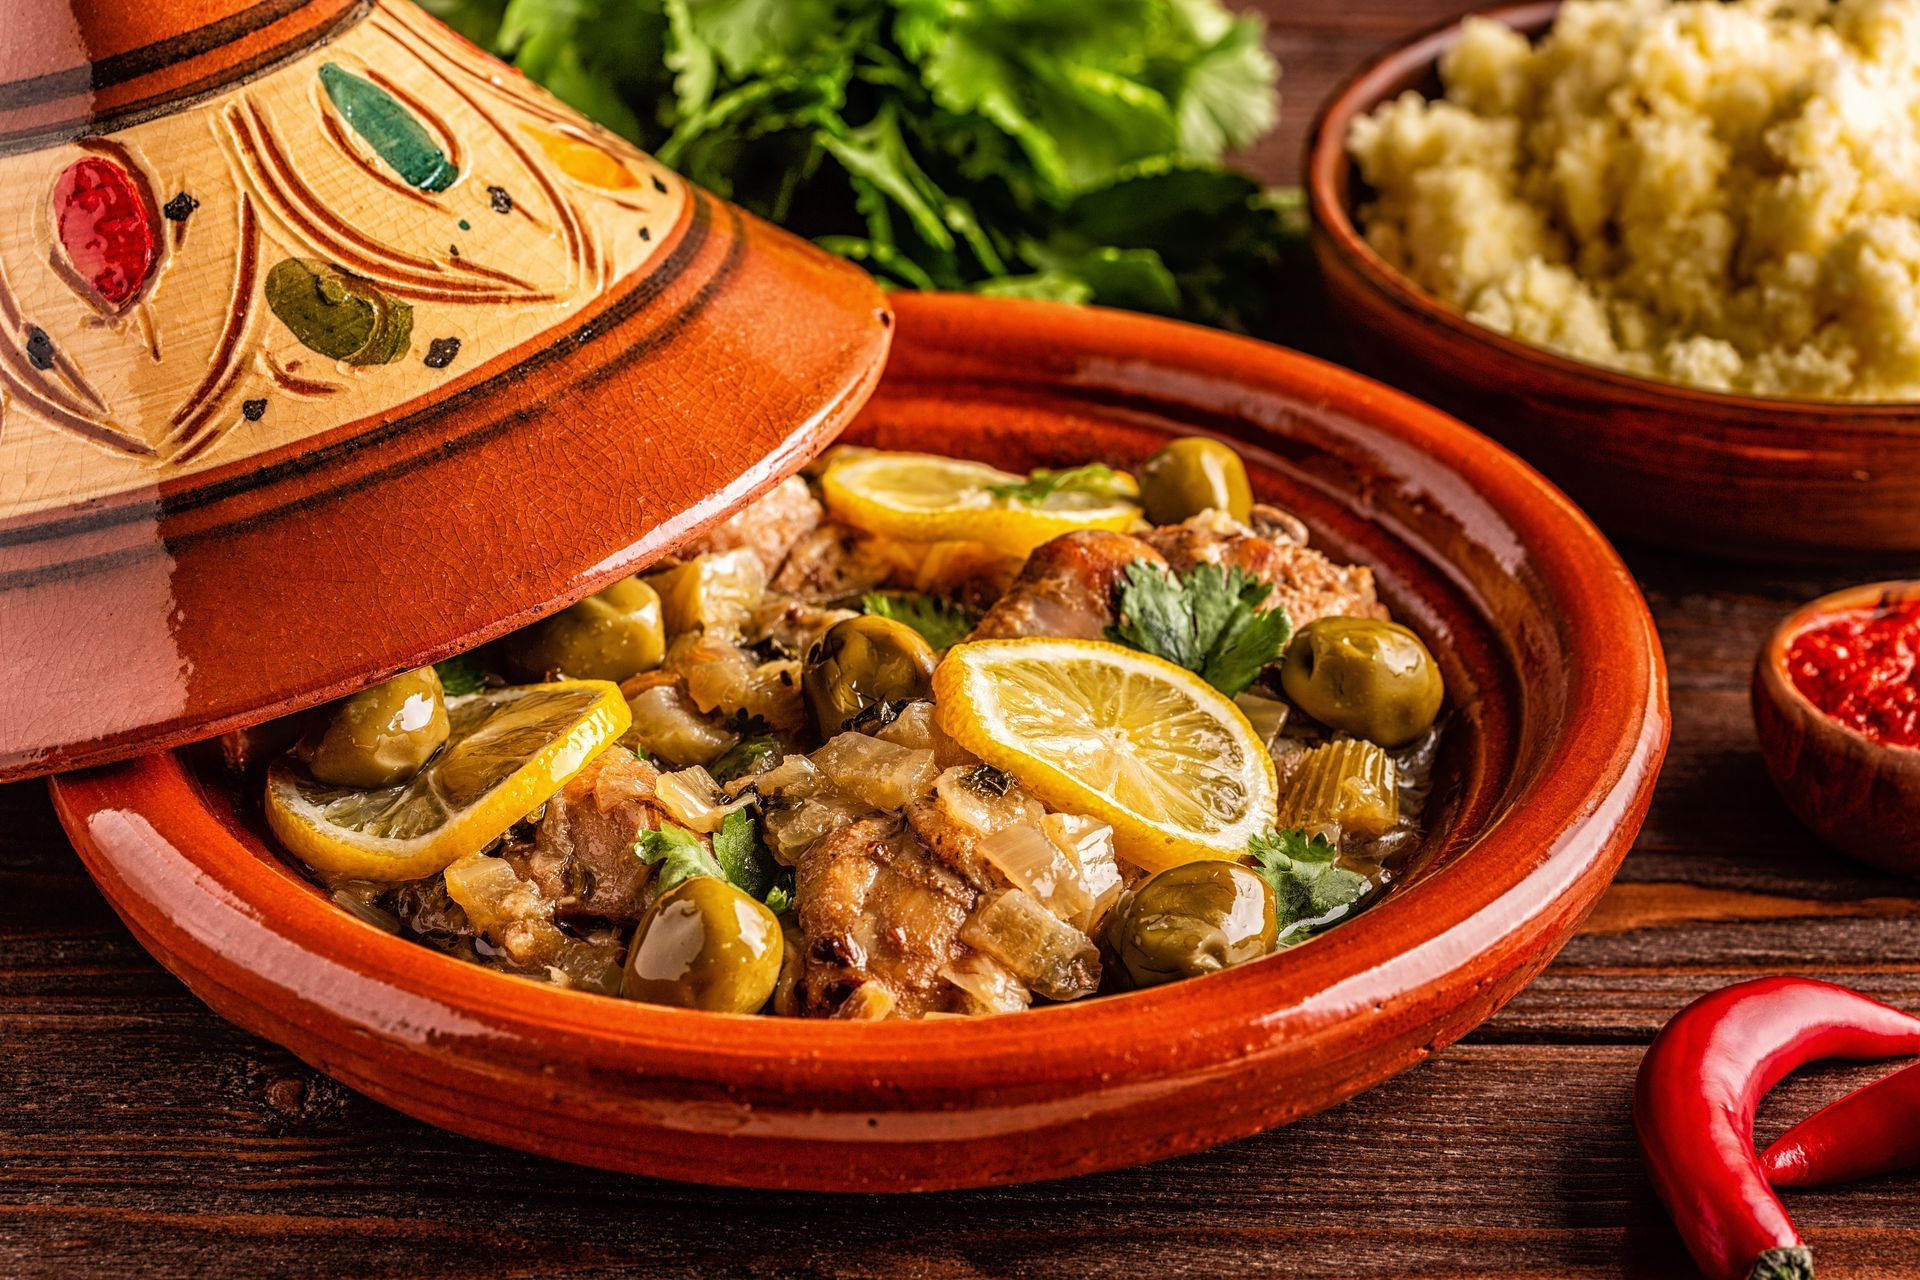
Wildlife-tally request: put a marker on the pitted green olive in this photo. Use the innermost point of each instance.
(862, 661)
(705, 945)
(1198, 917)
(381, 736)
(1362, 676)
(1191, 475)
(611, 635)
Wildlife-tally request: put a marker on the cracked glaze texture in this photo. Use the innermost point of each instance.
(1558, 728)
(371, 353)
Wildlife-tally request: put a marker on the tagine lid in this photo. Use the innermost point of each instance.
(330, 346)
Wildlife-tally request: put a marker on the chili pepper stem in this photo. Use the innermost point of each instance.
(1794, 1263)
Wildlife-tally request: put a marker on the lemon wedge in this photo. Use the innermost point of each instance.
(922, 497)
(507, 752)
(1097, 729)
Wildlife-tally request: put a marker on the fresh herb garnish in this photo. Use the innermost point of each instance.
(744, 757)
(1310, 889)
(1041, 483)
(461, 675)
(738, 857)
(1042, 149)
(679, 855)
(1207, 620)
(941, 623)
(744, 859)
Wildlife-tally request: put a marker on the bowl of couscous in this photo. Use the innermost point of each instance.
(1661, 247)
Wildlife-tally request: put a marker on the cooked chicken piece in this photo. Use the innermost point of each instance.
(963, 811)
(834, 563)
(1066, 588)
(770, 525)
(582, 855)
(1308, 584)
(875, 910)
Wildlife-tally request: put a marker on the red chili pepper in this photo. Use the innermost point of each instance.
(1873, 1130)
(1698, 1089)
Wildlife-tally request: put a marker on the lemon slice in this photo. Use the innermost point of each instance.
(1097, 729)
(922, 497)
(508, 751)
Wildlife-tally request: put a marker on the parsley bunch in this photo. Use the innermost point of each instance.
(1041, 148)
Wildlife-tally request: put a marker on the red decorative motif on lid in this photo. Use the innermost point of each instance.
(106, 226)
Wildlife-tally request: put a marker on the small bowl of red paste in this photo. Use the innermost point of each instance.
(1836, 703)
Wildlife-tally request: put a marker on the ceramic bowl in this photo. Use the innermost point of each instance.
(1556, 728)
(1860, 796)
(1737, 475)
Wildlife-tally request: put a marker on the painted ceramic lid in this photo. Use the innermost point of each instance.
(330, 346)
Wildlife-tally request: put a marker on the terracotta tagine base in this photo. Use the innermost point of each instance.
(1559, 726)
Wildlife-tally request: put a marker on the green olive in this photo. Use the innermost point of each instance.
(705, 945)
(1362, 676)
(1191, 475)
(611, 635)
(862, 661)
(381, 736)
(1198, 917)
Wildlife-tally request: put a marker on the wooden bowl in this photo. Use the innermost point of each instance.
(1557, 726)
(1860, 796)
(1738, 475)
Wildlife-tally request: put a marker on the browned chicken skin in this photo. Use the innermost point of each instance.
(1066, 588)
(876, 912)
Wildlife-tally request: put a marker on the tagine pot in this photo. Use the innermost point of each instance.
(330, 346)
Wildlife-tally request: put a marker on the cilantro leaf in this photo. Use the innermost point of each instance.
(460, 675)
(1310, 889)
(941, 623)
(679, 855)
(1207, 620)
(746, 862)
(1042, 483)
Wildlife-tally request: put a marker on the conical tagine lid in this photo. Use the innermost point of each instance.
(330, 346)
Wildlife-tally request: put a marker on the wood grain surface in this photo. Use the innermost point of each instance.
(140, 1135)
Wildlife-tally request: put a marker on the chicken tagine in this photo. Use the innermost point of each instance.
(910, 736)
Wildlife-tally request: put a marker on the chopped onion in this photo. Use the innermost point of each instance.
(913, 727)
(870, 1002)
(794, 777)
(882, 774)
(792, 828)
(977, 808)
(717, 591)
(666, 727)
(695, 800)
(721, 676)
(1050, 956)
(1037, 865)
(1089, 842)
(1268, 716)
(987, 985)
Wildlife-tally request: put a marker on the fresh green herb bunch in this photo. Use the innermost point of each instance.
(1041, 148)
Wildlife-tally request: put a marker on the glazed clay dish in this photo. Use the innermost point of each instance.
(1553, 728)
(1796, 477)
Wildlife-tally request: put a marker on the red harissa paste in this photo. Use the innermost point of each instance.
(1863, 669)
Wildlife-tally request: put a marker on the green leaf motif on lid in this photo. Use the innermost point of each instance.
(389, 128)
(338, 314)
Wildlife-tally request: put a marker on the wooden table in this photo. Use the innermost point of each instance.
(139, 1134)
